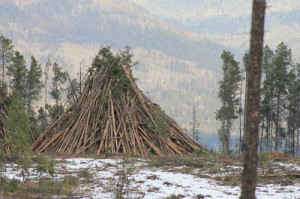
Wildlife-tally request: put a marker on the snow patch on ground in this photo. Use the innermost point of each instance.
(153, 183)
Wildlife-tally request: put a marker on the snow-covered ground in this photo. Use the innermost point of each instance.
(136, 179)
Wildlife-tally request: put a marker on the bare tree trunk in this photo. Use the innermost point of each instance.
(240, 115)
(249, 177)
(297, 124)
(277, 123)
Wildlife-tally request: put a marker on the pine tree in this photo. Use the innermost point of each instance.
(18, 72)
(42, 120)
(18, 128)
(2, 162)
(228, 95)
(6, 53)
(195, 123)
(34, 84)
(282, 63)
(293, 109)
(73, 90)
(59, 78)
(267, 103)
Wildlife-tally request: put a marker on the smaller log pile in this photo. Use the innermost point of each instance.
(3, 127)
(113, 115)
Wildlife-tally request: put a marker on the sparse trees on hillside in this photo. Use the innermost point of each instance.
(228, 95)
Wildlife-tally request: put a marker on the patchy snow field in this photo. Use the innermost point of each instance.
(135, 178)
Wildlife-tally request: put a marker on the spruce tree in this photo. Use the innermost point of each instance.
(73, 90)
(282, 63)
(18, 127)
(228, 95)
(293, 109)
(6, 53)
(18, 73)
(42, 119)
(267, 103)
(58, 79)
(34, 84)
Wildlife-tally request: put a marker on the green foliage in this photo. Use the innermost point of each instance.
(120, 83)
(55, 110)
(45, 165)
(3, 90)
(73, 89)
(18, 72)
(10, 185)
(42, 121)
(25, 162)
(58, 79)
(278, 93)
(18, 128)
(158, 124)
(228, 95)
(6, 53)
(34, 84)
(2, 162)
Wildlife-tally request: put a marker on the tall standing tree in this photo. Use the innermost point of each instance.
(18, 127)
(58, 79)
(267, 104)
(18, 72)
(293, 109)
(34, 84)
(73, 90)
(6, 53)
(249, 176)
(195, 123)
(282, 62)
(46, 73)
(229, 97)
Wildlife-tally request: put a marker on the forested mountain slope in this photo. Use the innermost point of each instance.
(176, 68)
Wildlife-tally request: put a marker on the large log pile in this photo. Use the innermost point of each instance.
(113, 115)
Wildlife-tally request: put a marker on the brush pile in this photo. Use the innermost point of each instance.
(3, 127)
(112, 115)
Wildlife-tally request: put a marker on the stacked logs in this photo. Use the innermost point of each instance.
(105, 119)
(3, 127)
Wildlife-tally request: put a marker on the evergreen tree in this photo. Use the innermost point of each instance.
(282, 62)
(73, 90)
(59, 78)
(228, 95)
(2, 162)
(18, 128)
(293, 109)
(34, 84)
(267, 103)
(195, 123)
(18, 72)
(42, 120)
(46, 73)
(6, 53)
